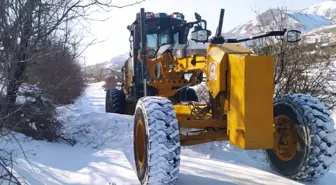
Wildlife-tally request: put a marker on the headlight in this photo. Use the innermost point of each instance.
(200, 35)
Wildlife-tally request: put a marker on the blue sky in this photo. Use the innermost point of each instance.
(114, 35)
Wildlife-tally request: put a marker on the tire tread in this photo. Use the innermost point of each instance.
(321, 132)
(164, 146)
(115, 101)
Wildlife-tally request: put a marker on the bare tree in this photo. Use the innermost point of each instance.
(112, 79)
(299, 68)
(98, 73)
(58, 74)
(38, 35)
(25, 24)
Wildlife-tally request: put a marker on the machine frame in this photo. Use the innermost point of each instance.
(156, 89)
(175, 58)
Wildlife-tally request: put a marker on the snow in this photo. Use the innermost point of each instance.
(2, 82)
(326, 9)
(116, 62)
(24, 92)
(324, 29)
(28, 88)
(325, 35)
(314, 17)
(104, 154)
(33, 125)
(309, 21)
(63, 164)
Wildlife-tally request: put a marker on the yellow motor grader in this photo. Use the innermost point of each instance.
(294, 130)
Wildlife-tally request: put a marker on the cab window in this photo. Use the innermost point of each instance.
(151, 40)
(176, 38)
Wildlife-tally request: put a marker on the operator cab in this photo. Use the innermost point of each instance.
(164, 29)
(157, 30)
(161, 29)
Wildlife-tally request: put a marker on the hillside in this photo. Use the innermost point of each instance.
(324, 36)
(115, 63)
(306, 20)
(269, 20)
(316, 22)
(326, 9)
(100, 71)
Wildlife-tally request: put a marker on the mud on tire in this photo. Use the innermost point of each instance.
(156, 141)
(115, 101)
(316, 136)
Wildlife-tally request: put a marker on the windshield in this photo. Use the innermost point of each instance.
(161, 39)
(153, 38)
(151, 41)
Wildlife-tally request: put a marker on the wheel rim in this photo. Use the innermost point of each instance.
(286, 138)
(140, 144)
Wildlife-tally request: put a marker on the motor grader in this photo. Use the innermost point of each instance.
(169, 56)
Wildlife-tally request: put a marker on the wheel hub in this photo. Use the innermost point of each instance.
(140, 144)
(286, 138)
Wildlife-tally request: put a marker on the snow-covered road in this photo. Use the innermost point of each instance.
(104, 155)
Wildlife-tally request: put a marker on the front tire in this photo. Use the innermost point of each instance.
(304, 143)
(156, 141)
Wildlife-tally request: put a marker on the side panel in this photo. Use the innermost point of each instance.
(215, 70)
(217, 65)
(250, 116)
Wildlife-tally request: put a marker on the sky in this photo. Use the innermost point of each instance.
(111, 35)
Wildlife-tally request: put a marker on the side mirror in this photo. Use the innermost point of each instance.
(292, 36)
(200, 35)
(198, 17)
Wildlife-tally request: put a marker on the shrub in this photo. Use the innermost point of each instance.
(58, 75)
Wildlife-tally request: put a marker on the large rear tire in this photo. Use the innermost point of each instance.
(115, 101)
(156, 141)
(304, 143)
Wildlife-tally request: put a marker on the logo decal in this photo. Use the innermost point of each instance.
(213, 70)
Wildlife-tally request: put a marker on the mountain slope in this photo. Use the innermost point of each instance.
(316, 17)
(326, 9)
(324, 35)
(116, 62)
(273, 18)
(110, 69)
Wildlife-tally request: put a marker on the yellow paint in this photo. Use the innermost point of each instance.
(185, 64)
(185, 123)
(183, 113)
(163, 60)
(207, 136)
(245, 83)
(285, 138)
(171, 77)
(185, 110)
(216, 69)
(217, 65)
(165, 86)
(140, 143)
(250, 115)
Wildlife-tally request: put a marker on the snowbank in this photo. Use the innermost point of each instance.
(104, 154)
